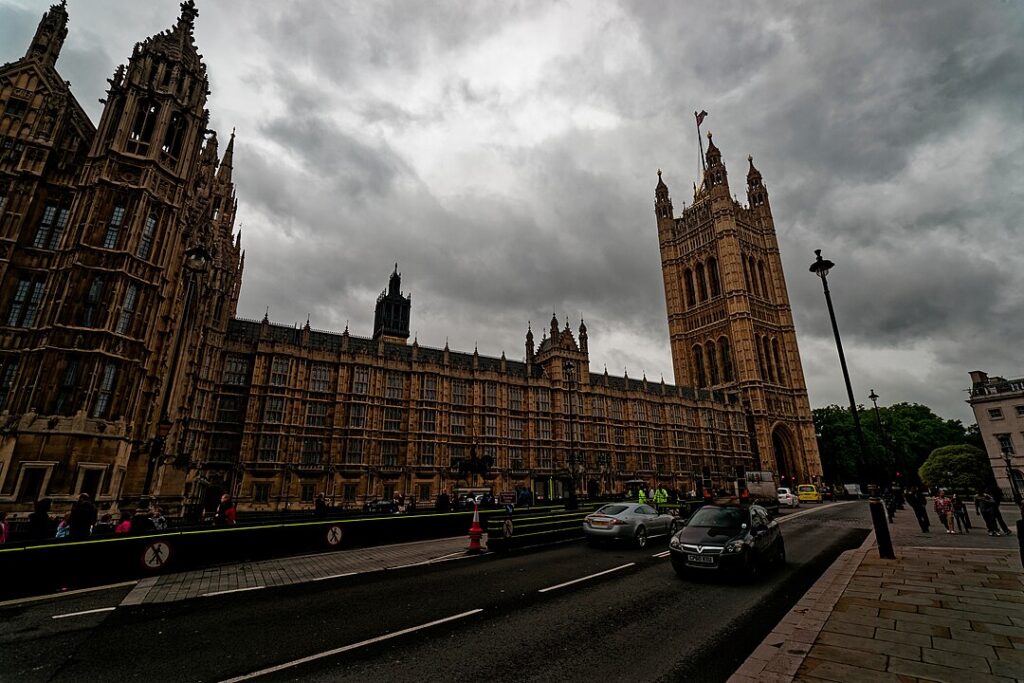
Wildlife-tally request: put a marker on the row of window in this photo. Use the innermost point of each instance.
(54, 220)
(997, 413)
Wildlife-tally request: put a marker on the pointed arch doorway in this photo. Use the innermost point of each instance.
(785, 456)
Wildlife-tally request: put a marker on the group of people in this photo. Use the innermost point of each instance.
(953, 515)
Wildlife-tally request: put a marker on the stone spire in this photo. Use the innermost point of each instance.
(50, 35)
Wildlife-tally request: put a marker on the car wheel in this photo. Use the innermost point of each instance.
(641, 537)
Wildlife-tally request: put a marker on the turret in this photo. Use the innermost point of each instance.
(716, 177)
(50, 35)
(662, 201)
(583, 336)
(757, 194)
(391, 316)
(529, 343)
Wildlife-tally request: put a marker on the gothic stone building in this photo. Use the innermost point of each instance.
(729, 317)
(301, 411)
(125, 373)
(119, 270)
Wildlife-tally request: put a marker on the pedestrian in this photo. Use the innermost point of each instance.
(320, 505)
(944, 509)
(104, 526)
(983, 505)
(641, 497)
(997, 498)
(225, 515)
(125, 525)
(5, 528)
(443, 502)
(142, 522)
(158, 520)
(83, 516)
(917, 503)
(64, 528)
(963, 521)
(39, 524)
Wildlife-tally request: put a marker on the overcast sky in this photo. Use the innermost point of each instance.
(505, 155)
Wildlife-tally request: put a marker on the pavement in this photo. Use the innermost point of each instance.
(949, 608)
(288, 571)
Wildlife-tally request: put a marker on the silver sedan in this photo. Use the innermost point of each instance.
(627, 521)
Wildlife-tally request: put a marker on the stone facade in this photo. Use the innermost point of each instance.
(119, 271)
(998, 406)
(729, 317)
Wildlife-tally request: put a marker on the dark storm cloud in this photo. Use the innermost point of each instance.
(505, 154)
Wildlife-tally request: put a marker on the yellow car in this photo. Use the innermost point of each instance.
(809, 493)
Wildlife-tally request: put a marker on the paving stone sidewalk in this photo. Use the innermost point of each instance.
(292, 570)
(950, 608)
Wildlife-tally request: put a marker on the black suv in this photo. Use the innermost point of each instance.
(728, 537)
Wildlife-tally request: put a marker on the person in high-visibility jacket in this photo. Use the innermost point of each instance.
(660, 497)
(641, 497)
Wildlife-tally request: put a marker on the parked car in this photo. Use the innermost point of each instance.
(809, 492)
(627, 522)
(828, 493)
(728, 538)
(788, 498)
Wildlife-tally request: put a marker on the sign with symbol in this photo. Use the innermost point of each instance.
(334, 535)
(156, 555)
(507, 528)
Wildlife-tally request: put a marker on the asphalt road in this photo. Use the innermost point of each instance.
(490, 617)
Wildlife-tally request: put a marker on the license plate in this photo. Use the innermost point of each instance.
(700, 559)
(599, 522)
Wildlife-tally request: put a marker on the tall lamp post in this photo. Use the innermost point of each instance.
(197, 259)
(821, 267)
(878, 421)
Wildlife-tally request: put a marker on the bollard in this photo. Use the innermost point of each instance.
(475, 532)
(882, 536)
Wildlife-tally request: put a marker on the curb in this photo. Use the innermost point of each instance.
(781, 654)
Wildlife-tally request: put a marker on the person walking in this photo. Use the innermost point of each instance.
(158, 519)
(225, 514)
(944, 509)
(917, 503)
(963, 521)
(83, 516)
(125, 525)
(997, 498)
(320, 505)
(39, 524)
(104, 526)
(983, 505)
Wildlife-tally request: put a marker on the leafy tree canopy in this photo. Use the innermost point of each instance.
(960, 467)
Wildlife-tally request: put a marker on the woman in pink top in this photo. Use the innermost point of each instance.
(125, 525)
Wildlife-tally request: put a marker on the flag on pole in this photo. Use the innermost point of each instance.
(700, 116)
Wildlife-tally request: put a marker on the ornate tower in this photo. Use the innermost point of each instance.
(730, 323)
(391, 316)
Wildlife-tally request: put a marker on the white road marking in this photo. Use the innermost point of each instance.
(335, 576)
(78, 614)
(569, 583)
(346, 648)
(783, 518)
(232, 590)
(64, 594)
(664, 554)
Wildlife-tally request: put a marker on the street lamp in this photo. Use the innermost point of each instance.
(821, 267)
(197, 259)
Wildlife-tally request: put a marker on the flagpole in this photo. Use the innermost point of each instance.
(700, 143)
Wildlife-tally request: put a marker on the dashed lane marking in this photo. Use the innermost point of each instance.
(664, 554)
(78, 614)
(347, 648)
(584, 578)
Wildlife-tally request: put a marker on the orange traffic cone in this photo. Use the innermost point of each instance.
(475, 532)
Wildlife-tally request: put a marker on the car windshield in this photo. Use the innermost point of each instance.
(783, 490)
(807, 489)
(612, 509)
(727, 518)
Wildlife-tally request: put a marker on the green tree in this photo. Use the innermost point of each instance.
(899, 439)
(961, 467)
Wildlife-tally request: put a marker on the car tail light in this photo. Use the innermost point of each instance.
(619, 522)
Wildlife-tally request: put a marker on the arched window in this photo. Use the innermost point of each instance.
(698, 365)
(725, 353)
(146, 113)
(174, 136)
(768, 359)
(764, 280)
(691, 299)
(702, 283)
(760, 358)
(716, 287)
(712, 363)
(778, 361)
